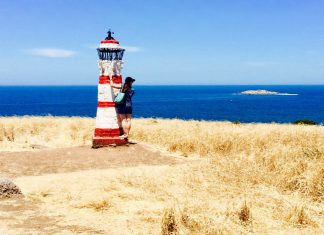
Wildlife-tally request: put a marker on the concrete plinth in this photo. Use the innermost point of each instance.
(98, 142)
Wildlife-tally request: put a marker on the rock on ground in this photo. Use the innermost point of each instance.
(8, 189)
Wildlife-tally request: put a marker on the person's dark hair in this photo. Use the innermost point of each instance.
(128, 84)
(128, 81)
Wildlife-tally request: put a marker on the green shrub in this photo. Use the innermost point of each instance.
(305, 122)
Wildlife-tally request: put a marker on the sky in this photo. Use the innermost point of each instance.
(169, 42)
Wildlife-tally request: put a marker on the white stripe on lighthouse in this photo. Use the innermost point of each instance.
(105, 93)
(109, 45)
(106, 118)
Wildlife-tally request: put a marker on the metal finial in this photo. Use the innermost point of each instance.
(109, 37)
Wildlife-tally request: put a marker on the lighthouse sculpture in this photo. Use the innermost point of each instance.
(108, 129)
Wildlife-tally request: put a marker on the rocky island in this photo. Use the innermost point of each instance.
(263, 92)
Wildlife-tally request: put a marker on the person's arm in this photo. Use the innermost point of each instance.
(125, 88)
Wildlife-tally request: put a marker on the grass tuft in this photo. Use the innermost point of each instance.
(101, 205)
(299, 218)
(188, 222)
(305, 122)
(245, 214)
(169, 224)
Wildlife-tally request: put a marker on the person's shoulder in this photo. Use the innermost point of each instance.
(125, 87)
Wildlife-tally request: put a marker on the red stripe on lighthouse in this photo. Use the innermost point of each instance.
(104, 132)
(104, 80)
(117, 79)
(106, 104)
(110, 41)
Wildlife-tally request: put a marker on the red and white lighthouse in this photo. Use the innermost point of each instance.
(108, 129)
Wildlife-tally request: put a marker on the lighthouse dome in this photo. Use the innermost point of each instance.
(110, 43)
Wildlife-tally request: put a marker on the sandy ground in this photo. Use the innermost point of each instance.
(55, 200)
(61, 160)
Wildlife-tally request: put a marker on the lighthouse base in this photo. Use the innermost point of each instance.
(98, 142)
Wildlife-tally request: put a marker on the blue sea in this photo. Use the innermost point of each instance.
(184, 102)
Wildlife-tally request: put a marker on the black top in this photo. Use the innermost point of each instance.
(129, 92)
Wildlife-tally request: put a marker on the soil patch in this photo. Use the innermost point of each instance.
(48, 161)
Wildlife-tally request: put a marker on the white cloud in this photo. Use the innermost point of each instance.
(132, 48)
(51, 52)
(91, 46)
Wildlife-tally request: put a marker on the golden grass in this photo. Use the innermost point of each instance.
(277, 168)
(100, 205)
(245, 214)
(169, 223)
(289, 157)
(38, 196)
(23, 133)
(299, 217)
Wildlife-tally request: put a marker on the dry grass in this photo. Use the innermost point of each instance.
(298, 217)
(274, 167)
(100, 205)
(169, 224)
(38, 196)
(289, 157)
(23, 133)
(245, 214)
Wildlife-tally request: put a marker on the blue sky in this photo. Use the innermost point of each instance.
(45, 42)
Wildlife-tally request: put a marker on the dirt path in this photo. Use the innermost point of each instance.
(19, 216)
(24, 216)
(47, 161)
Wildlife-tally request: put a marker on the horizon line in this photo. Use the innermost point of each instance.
(43, 85)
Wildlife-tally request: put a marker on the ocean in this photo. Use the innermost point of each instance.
(212, 102)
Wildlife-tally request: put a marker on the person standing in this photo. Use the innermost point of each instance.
(125, 108)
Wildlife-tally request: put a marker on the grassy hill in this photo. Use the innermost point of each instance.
(262, 178)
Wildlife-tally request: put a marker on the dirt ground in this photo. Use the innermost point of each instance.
(61, 160)
(25, 216)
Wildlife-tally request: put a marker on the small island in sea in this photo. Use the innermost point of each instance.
(263, 92)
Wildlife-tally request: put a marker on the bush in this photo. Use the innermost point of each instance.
(305, 122)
